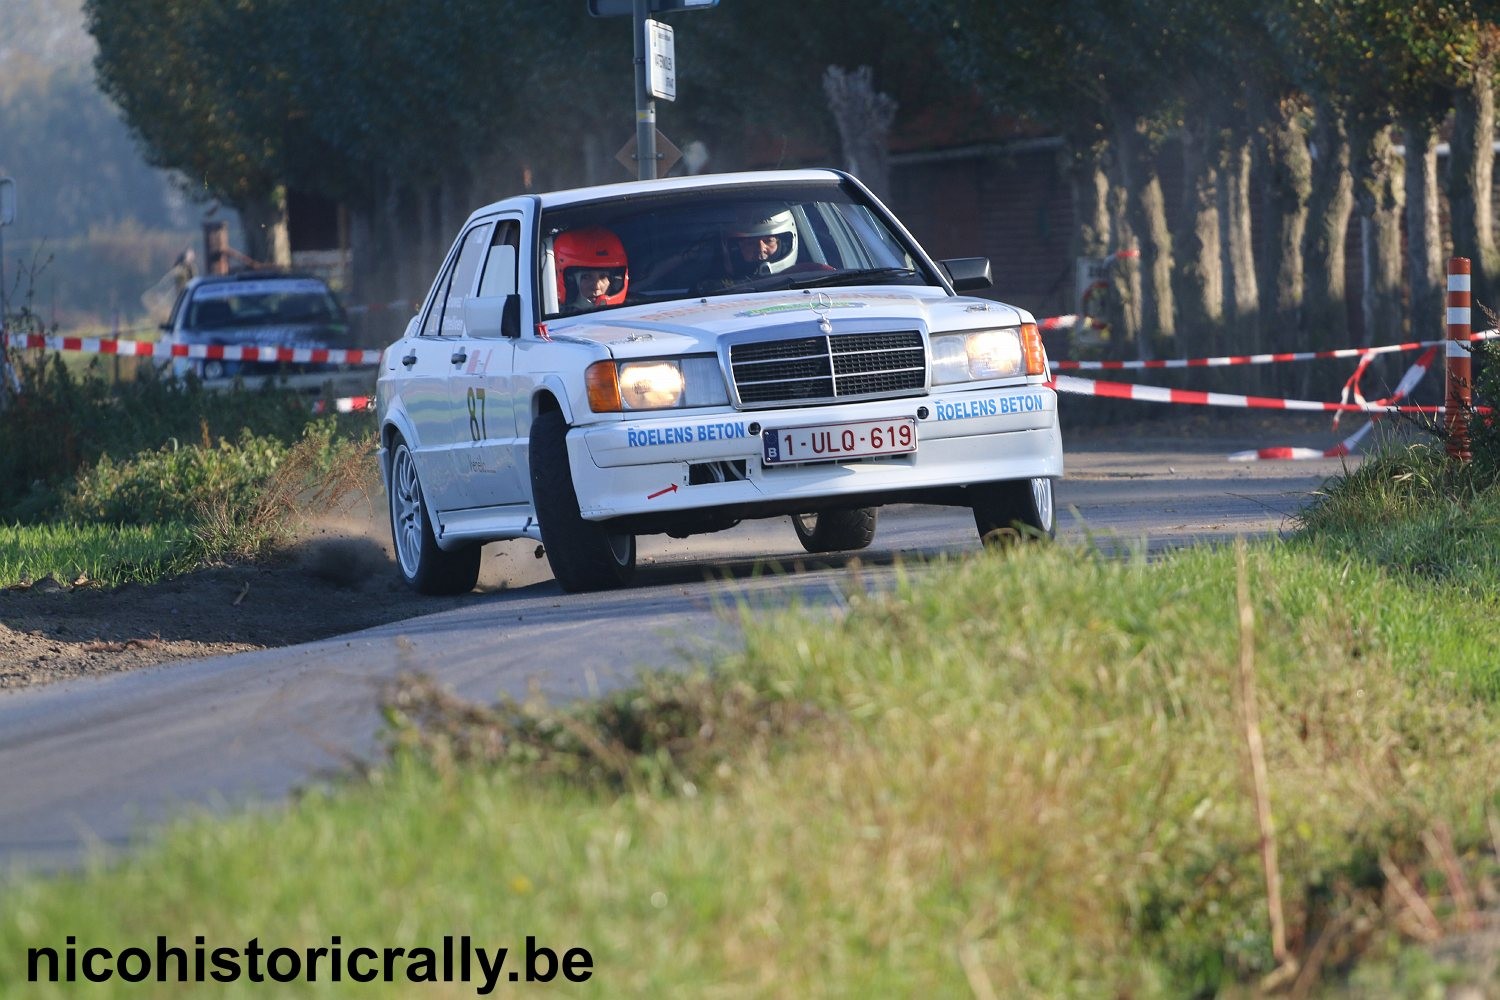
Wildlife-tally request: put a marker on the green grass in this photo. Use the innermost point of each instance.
(97, 553)
(1019, 775)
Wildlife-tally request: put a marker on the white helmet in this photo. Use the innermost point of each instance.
(745, 255)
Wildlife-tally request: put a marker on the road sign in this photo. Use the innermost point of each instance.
(7, 201)
(667, 155)
(661, 61)
(623, 8)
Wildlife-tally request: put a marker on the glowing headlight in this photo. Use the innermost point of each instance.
(977, 356)
(651, 385)
(660, 384)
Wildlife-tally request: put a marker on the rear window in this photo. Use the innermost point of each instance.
(263, 303)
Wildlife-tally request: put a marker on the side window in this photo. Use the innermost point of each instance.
(465, 269)
(500, 266)
(445, 319)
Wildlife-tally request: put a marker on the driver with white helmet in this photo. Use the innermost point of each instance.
(764, 245)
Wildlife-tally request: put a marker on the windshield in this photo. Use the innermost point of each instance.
(263, 303)
(717, 242)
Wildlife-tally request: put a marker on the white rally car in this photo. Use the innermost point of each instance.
(675, 356)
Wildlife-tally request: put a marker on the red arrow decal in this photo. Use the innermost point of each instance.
(669, 489)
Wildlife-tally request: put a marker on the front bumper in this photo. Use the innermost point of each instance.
(692, 461)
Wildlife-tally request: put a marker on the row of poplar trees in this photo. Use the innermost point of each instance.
(1293, 112)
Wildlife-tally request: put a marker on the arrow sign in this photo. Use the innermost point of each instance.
(669, 489)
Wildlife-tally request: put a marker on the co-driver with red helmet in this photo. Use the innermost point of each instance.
(592, 269)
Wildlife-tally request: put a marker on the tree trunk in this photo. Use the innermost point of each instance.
(1084, 165)
(864, 119)
(1200, 269)
(1145, 209)
(264, 220)
(1326, 308)
(1471, 172)
(1239, 244)
(1379, 194)
(1424, 236)
(1090, 188)
(1287, 193)
(1124, 310)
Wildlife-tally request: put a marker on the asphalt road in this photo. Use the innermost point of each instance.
(95, 763)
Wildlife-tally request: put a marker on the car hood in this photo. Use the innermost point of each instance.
(694, 325)
(281, 335)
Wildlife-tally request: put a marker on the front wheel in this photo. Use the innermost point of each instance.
(426, 568)
(584, 555)
(836, 530)
(1013, 510)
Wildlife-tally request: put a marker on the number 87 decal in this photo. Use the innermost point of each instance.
(477, 429)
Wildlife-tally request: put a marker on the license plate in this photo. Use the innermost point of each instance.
(831, 442)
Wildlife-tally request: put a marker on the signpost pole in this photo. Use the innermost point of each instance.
(645, 104)
(9, 384)
(7, 216)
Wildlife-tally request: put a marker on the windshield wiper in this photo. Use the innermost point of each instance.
(866, 275)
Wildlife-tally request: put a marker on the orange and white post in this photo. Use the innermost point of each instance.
(1459, 370)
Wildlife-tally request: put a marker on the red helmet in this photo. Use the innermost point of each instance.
(593, 248)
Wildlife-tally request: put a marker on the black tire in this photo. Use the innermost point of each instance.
(426, 568)
(1016, 510)
(584, 555)
(836, 530)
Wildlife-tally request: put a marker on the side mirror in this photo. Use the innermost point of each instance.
(510, 317)
(493, 316)
(968, 274)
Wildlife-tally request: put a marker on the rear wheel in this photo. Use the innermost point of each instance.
(1018, 509)
(584, 555)
(836, 530)
(426, 568)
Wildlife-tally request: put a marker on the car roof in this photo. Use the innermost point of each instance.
(554, 199)
(246, 276)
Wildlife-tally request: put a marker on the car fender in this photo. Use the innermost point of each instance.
(554, 385)
(398, 420)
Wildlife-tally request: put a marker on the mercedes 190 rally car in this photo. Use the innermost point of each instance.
(674, 356)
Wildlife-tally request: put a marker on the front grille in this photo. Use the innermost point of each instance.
(806, 369)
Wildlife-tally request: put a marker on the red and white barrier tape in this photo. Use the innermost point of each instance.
(1069, 321)
(345, 404)
(1345, 447)
(221, 352)
(1159, 394)
(1258, 359)
(1408, 382)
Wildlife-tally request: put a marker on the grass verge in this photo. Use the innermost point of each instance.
(96, 553)
(1018, 775)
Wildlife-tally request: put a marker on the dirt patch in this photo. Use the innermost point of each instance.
(339, 578)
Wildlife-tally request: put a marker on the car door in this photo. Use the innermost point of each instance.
(483, 382)
(430, 358)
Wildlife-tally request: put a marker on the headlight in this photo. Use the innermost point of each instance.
(987, 354)
(660, 384)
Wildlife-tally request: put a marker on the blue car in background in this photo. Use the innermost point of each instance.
(256, 309)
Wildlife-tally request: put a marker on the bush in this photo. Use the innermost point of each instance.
(63, 423)
(238, 497)
(173, 481)
(1484, 431)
